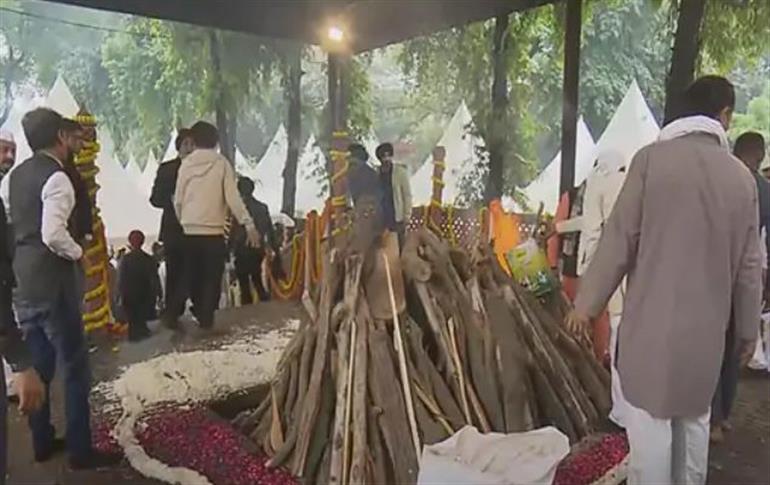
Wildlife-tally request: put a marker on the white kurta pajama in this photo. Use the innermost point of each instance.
(684, 231)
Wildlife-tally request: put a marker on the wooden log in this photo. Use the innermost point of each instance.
(415, 268)
(387, 395)
(431, 430)
(321, 439)
(483, 380)
(360, 440)
(312, 402)
(552, 411)
(538, 314)
(379, 472)
(305, 363)
(546, 356)
(336, 473)
(439, 329)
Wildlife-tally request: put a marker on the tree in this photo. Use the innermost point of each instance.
(756, 117)
(684, 54)
(292, 80)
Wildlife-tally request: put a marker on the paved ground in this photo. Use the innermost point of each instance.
(107, 358)
(743, 459)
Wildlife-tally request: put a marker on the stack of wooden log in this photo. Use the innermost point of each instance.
(356, 397)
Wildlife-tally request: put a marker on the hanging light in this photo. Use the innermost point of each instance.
(335, 33)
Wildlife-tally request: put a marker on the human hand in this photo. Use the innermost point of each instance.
(253, 237)
(31, 391)
(578, 325)
(746, 350)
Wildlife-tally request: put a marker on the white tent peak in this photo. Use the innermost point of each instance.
(60, 98)
(147, 177)
(461, 158)
(631, 127)
(268, 174)
(311, 192)
(545, 187)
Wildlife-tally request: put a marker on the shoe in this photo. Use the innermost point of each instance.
(95, 460)
(58, 445)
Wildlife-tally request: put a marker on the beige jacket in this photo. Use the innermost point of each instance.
(206, 189)
(402, 193)
(685, 231)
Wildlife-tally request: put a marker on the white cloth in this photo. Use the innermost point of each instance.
(694, 124)
(494, 458)
(10, 386)
(7, 136)
(761, 358)
(667, 451)
(58, 197)
(619, 403)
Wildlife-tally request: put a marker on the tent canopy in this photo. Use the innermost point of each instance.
(368, 24)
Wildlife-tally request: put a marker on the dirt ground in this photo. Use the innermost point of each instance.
(743, 459)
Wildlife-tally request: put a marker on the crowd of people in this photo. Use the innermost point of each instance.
(673, 252)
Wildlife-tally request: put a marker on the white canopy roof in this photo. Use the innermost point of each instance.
(311, 192)
(60, 98)
(268, 175)
(631, 127)
(133, 172)
(170, 152)
(123, 207)
(147, 177)
(545, 187)
(461, 157)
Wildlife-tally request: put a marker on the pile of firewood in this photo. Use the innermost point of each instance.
(355, 397)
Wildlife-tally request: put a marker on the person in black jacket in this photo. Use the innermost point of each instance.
(171, 234)
(139, 287)
(81, 222)
(248, 260)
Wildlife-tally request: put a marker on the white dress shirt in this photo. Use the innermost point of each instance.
(58, 197)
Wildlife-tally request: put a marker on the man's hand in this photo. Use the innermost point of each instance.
(31, 391)
(578, 325)
(746, 350)
(253, 237)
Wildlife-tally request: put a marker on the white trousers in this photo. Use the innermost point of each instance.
(619, 403)
(667, 451)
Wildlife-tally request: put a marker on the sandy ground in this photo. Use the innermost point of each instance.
(743, 459)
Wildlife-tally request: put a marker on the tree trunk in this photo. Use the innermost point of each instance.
(569, 114)
(497, 125)
(293, 84)
(684, 54)
(225, 125)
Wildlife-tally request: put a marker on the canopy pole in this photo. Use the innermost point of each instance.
(338, 182)
(569, 116)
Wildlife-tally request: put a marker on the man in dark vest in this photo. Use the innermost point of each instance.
(171, 234)
(40, 201)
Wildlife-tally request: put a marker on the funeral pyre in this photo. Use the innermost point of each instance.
(404, 351)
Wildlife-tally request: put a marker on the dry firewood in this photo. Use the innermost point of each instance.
(291, 396)
(431, 381)
(462, 264)
(401, 353)
(379, 473)
(346, 451)
(359, 404)
(513, 365)
(482, 378)
(433, 409)
(338, 434)
(305, 362)
(415, 268)
(387, 395)
(537, 313)
(460, 371)
(320, 440)
(438, 327)
(546, 356)
(290, 351)
(322, 475)
(312, 401)
(431, 430)
(552, 411)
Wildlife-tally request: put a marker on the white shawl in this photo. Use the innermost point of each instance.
(694, 124)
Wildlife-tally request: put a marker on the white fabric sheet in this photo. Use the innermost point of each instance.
(494, 458)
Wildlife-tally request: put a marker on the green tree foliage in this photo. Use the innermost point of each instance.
(755, 118)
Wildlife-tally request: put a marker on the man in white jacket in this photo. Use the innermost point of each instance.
(602, 190)
(206, 191)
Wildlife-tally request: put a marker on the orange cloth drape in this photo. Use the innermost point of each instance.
(505, 231)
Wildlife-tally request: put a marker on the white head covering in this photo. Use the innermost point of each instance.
(7, 136)
(610, 161)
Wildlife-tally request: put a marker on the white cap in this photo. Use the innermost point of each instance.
(7, 136)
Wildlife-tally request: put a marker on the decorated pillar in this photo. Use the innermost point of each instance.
(439, 165)
(97, 308)
(338, 186)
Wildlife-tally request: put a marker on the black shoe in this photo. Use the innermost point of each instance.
(58, 445)
(95, 460)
